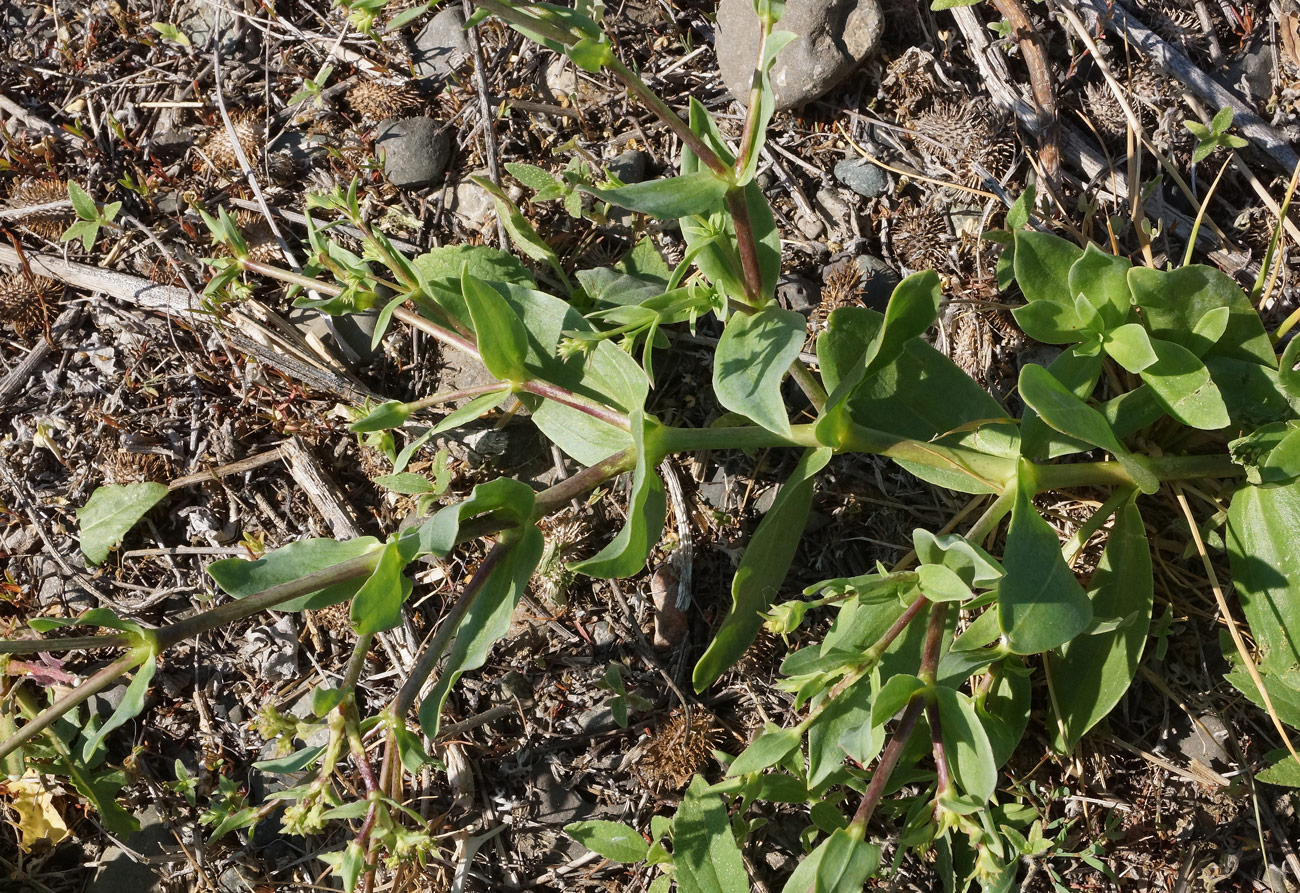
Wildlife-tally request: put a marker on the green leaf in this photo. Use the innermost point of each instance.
(647, 508)
(131, 706)
(705, 854)
(847, 716)
(513, 500)
(591, 54)
(940, 584)
(762, 569)
(966, 744)
(1261, 541)
(170, 32)
(776, 41)
(1102, 279)
(534, 177)
(1271, 454)
(1079, 373)
(752, 358)
(377, 606)
(521, 232)
(1282, 769)
(767, 749)
(92, 617)
(1092, 672)
(842, 863)
(82, 203)
(667, 199)
(1182, 385)
(612, 840)
(406, 483)
(486, 620)
(111, 512)
(387, 415)
(1068, 414)
(241, 578)
(1130, 346)
(893, 696)
(500, 333)
(1174, 302)
(974, 566)
(1042, 265)
(1040, 603)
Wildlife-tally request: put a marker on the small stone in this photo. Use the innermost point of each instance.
(796, 293)
(831, 204)
(415, 151)
(238, 39)
(442, 46)
(629, 166)
(603, 634)
(832, 37)
(809, 225)
(118, 870)
(863, 177)
(471, 203)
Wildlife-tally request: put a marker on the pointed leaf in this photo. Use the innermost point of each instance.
(111, 512)
(705, 854)
(683, 196)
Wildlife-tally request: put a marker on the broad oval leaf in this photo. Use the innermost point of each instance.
(1182, 385)
(111, 512)
(1102, 280)
(966, 744)
(500, 333)
(842, 863)
(1174, 302)
(1261, 541)
(1042, 265)
(241, 578)
(682, 196)
(377, 605)
(893, 696)
(705, 854)
(613, 840)
(752, 358)
(1040, 603)
(767, 749)
(1092, 672)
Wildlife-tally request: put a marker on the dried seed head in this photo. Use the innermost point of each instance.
(262, 245)
(964, 139)
(919, 237)
(677, 750)
(377, 101)
(249, 130)
(48, 223)
(128, 467)
(1105, 112)
(1178, 25)
(843, 287)
(23, 300)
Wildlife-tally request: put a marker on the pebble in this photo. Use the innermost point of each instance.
(831, 204)
(796, 293)
(863, 177)
(629, 166)
(415, 151)
(238, 40)
(441, 46)
(832, 38)
(119, 871)
(471, 203)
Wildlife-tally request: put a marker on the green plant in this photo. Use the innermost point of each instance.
(90, 217)
(1214, 136)
(1166, 381)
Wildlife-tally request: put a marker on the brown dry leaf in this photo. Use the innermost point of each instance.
(39, 820)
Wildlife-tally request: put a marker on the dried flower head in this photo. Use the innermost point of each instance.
(1104, 111)
(964, 139)
(249, 130)
(919, 238)
(552, 578)
(842, 288)
(24, 300)
(48, 223)
(677, 750)
(376, 101)
(262, 245)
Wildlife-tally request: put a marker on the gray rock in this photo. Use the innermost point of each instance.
(629, 166)
(796, 293)
(238, 40)
(471, 204)
(442, 46)
(301, 709)
(830, 202)
(119, 871)
(832, 38)
(863, 177)
(1254, 70)
(415, 151)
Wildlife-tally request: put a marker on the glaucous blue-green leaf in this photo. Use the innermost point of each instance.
(1173, 302)
(613, 840)
(966, 744)
(1182, 385)
(1102, 280)
(1130, 346)
(1068, 414)
(762, 569)
(513, 499)
(941, 584)
(591, 54)
(705, 854)
(767, 749)
(842, 863)
(1092, 672)
(1078, 372)
(1261, 541)
(111, 512)
(104, 617)
(1271, 454)
(241, 578)
(686, 195)
(609, 286)
(1042, 265)
(520, 229)
(1004, 711)
(848, 714)
(131, 706)
(1040, 603)
(753, 356)
(1254, 394)
(377, 606)
(486, 620)
(541, 181)
(624, 555)
(973, 565)
(441, 268)
(502, 338)
(776, 41)
(893, 696)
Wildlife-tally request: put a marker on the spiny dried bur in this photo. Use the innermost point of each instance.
(1104, 112)
(24, 300)
(123, 466)
(376, 101)
(48, 223)
(678, 750)
(552, 578)
(966, 139)
(219, 146)
(919, 238)
(262, 245)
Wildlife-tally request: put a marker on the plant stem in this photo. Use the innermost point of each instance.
(101, 680)
(433, 653)
(885, 768)
(357, 662)
(576, 401)
(674, 121)
(747, 246)
(57, 646)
